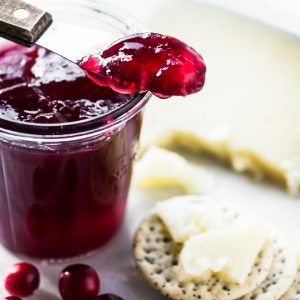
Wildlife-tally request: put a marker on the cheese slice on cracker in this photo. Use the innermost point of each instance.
(229, 252)
(185, 216)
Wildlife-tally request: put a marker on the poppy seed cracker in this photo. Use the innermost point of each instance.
(156, 256)
(293, 292)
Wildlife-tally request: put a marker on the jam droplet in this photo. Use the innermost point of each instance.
(148, 62)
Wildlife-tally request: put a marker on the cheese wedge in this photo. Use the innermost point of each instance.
(187, 215)
(229, 252)
(161, 168)
(248, 112)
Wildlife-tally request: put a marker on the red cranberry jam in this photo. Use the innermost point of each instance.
(39, 86)
(65, 199)
(148, 62)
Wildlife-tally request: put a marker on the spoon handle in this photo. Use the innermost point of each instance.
(21, 22)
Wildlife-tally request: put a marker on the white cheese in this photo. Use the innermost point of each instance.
(160, 168)
(187, 215)
(229, 252)
(248, 112)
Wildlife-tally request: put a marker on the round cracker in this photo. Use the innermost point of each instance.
(282, 274)
(156, 257)
(294, 291)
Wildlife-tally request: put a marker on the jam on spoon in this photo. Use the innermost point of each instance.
(148, 62)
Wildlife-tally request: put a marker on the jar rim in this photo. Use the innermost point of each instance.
(101, 123)
(75, 130)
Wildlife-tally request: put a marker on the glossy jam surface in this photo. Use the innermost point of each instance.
(148, 62)
(68, 198)
(39, 86)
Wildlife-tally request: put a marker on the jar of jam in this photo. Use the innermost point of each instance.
(66, 145)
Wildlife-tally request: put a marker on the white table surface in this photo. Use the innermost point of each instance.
(113, 261)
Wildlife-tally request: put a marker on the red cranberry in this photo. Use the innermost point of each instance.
(22, 280)
(148, 62)
(108, 297)
(12, 298)
(79, 282)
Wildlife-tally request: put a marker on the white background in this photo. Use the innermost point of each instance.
(114, 261)
(282, 13)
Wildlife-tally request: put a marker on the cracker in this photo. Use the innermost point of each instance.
(156, 257)
(294, 291)
(281, 276)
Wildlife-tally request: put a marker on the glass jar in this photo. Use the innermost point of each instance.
(64, 187)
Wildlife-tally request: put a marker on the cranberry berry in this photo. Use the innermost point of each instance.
(12, 298)
(108, 297)
(22, 280)
(79, 282)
